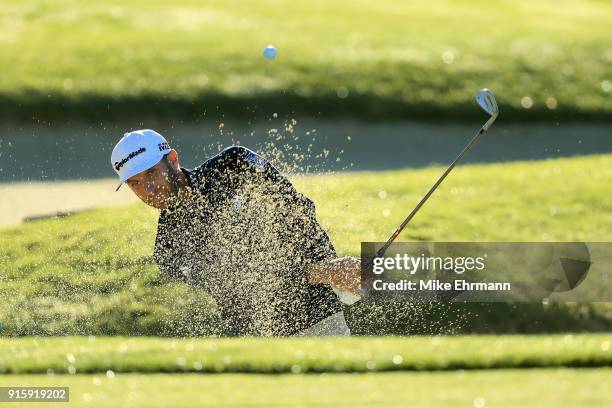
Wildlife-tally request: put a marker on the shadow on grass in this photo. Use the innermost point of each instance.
(33, 105)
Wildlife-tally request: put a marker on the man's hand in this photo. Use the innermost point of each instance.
(342, 274)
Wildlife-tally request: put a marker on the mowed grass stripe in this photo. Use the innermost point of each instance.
(539, 388)
(311, 355)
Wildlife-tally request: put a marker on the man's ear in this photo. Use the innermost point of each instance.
(173, 159)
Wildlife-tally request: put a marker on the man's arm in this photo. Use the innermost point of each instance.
(342, 274)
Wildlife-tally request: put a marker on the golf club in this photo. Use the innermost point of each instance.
(486, 100)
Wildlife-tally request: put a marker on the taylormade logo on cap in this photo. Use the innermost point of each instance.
(136, 152)
(120, 164)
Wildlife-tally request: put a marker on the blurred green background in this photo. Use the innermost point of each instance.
(388, 60)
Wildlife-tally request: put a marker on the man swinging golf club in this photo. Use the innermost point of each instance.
(237, 228)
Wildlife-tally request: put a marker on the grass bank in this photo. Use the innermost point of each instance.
(265, 356)
(69, 59)
(93, 273)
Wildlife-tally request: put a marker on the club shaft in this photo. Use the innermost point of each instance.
(467, 148)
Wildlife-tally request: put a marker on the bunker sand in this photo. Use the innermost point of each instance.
(33, 199)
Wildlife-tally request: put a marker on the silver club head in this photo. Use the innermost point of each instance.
(486, 100)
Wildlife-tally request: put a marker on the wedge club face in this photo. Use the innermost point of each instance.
(486, 100)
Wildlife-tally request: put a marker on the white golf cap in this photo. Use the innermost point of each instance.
(136, 152)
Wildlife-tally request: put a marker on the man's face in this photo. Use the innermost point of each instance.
(158, 185)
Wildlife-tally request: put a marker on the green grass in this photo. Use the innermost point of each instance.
(93, 273)
(540, 388)
(119, 59)
(369, 372)
(274, 356)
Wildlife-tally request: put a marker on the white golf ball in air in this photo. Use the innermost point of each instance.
(269, 52)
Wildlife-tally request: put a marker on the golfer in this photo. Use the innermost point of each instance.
(238, 229)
